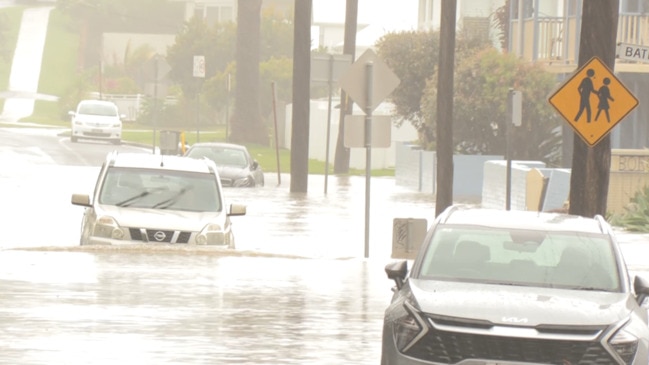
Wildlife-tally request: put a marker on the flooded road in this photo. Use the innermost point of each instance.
(81, 308)
(297, 290)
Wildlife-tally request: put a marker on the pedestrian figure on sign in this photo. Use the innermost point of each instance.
(585, 89)
(604, 95)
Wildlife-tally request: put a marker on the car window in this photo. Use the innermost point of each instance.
(220, 156)
(160, 189)
(546, 259)
(98, 109)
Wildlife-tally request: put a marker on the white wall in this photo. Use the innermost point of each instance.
(381, 157)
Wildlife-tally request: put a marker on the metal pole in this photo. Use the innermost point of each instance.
(227, 108)
(508, 121)
(198, 106)
(155, 99)
(330, 83)
(369, 69)
(279, 174)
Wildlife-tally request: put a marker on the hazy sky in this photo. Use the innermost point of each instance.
(397, 14)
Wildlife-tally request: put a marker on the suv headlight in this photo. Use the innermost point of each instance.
(107, 227)
(625, 344)
(212, 234)
(410, 327)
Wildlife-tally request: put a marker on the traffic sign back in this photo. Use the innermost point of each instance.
(593, 101)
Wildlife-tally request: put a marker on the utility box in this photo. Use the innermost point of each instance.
(407, 236)
(169, 142)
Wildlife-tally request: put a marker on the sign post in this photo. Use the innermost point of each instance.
(368, 81)
(199, 73)
(593, 101)
(327, 69)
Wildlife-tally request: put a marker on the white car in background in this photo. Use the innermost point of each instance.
(96, 119)
(145, 198)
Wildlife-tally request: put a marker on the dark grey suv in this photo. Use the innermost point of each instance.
(513, 287)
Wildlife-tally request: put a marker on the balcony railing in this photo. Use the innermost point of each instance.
(555, 40)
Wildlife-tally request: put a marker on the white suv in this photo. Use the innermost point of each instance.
(144, 198)
(96, 119)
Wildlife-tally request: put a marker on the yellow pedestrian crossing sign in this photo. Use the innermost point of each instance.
(593, 101)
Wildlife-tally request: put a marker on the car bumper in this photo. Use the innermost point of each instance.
(107, 133)
(391, 356)
(133, 236)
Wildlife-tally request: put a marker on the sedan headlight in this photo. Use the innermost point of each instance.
(212, 234)
(625, 345)
(246, 181)
(107, 227)
(410, 327)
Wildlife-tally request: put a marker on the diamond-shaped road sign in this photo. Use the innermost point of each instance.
(593, 101)
(354, 81)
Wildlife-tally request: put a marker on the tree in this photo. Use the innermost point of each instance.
(215, 43)
(97, 16)
(247, 123)
(413, 56)
(481, 88)
(341, 159)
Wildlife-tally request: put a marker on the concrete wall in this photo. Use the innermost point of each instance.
(319, 119)
(417, 169)
(629, 174)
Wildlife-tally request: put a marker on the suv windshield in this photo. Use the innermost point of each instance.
(98, 109)
(516, 257)
(160, 189)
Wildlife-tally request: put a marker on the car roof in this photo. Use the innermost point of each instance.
(532, 220)
(94, 101)
(219, 144)
(163, 162)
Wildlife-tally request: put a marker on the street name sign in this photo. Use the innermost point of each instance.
(632, 52)
(593, 101)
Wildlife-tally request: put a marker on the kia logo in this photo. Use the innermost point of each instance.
(159, 236)
(514, 320)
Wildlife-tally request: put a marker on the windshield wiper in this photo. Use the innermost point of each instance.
(173, 199)
(129, 201)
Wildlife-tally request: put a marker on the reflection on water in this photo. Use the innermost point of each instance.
(129, 308)
(326, 225)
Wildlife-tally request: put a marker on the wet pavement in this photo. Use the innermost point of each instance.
(80, 308)
(297, 290)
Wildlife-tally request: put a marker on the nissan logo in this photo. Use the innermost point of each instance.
(159, 236)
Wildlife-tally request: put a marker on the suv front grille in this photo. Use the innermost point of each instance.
(159, 235)
(452, 347)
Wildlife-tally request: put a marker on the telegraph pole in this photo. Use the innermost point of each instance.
(591, 166)
(444, 140)
(301, 96)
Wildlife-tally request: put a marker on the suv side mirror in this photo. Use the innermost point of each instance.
(641, 287)
(397, 271)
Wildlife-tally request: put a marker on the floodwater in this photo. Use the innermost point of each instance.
(128, 308)
(298, 289)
